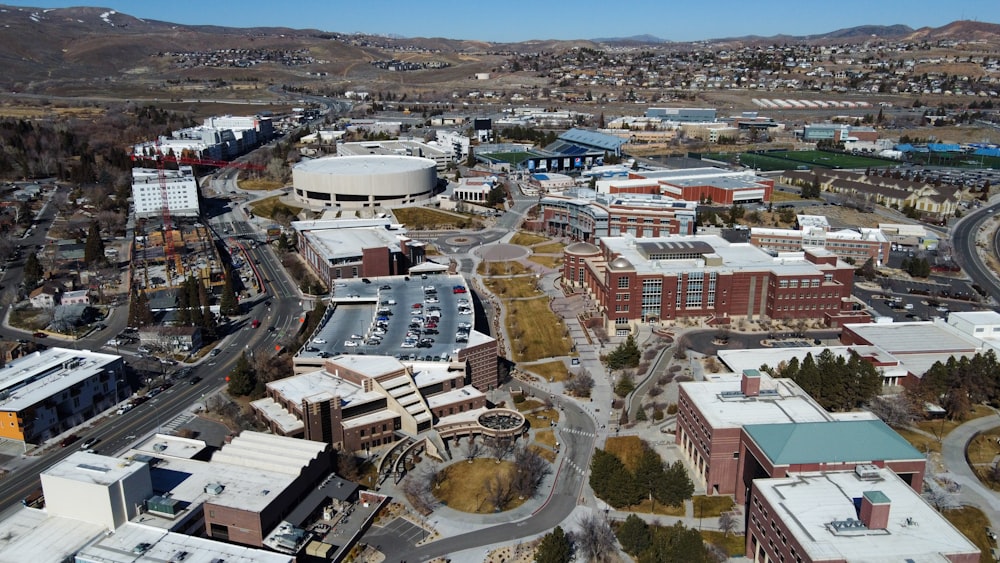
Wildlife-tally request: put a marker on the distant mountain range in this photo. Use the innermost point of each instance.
(87, 50)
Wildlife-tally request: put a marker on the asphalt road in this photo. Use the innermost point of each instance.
(963, 237)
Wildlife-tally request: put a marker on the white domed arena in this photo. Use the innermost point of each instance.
(363, 182)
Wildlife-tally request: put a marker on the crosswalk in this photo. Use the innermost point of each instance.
(578, 432)
(177, 422)
(574, 467)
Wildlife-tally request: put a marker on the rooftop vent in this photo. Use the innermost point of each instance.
(214, 488)
(867, 472)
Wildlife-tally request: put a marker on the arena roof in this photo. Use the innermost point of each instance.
(364, 165)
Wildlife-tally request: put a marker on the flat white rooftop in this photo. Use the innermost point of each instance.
(923, 337)
(40, 375)
(156, 545)
(89, 468)
(365, 165)
(809, 503)
(319, 386)
(781, 400)
(32, 535)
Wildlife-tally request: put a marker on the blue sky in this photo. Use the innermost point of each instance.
(519, 20)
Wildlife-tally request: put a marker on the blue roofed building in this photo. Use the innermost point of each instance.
(777, 450)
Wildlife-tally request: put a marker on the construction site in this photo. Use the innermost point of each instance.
(164, 257)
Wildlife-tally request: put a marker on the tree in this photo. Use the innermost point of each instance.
(650, 476)
(580, 385)
(139, 312)
(867, 270)
(595, 540)
(728, 523)
(677, 486)
(531, 471)
(93, 249)
(32, 271)
(554, 548)
(227, 302)
(242, 379)
(499, 490)
(634, 535)
(625, 355)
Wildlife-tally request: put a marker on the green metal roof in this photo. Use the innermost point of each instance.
(829, 442)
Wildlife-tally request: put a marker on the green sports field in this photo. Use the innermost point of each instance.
(822, 159)
(510, 157)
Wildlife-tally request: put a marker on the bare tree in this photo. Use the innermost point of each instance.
(531, 470)
(728, 523)
(500, 447)
(595, 540)
(474, 449)
(581, 384)
(894, 410)
(499, 490)
(417, 488)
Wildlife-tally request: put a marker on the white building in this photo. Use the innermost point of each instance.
(97, 489)
(457, 142)
(181, 190)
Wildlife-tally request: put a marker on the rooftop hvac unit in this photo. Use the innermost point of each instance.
(867, 472)
(214, 488)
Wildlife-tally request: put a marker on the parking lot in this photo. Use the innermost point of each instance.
(425, 317)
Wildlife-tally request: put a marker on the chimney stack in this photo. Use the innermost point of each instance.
(750, 384)
(875, 510)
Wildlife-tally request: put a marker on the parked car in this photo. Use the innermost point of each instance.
(40, 335)
(68, 440)
(90, 442)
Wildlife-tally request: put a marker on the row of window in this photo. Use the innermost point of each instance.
(794, 284)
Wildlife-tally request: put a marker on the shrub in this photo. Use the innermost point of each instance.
(657, 415)
(672, 408)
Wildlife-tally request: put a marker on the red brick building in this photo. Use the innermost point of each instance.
(357, 248)
(585, 215)
(644, 280)
(710, 185)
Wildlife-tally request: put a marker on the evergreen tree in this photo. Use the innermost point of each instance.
(650, 477)
(242, 378)
(93, 249)
(625, 355)
(634, 535)
(554, 548)
(228, 305)
(677, 486)
(32, 271)
(139, 312)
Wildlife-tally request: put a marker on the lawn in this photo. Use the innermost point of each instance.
(765, 163)
(983, 448)
(542, 418)
(268, 206)
(463, 485)
(547, 453)
(920, 441)
(501, 268)
(511, 157)
(647, 507)
(527, 239)
(424, 218)
(712, 506)
(528, 405)
(259, 184)
(546, 438)
(508, 288)
(536, 332)
(550, 371)
(942, 427)
(733, 544)
(626, 448)
(972, 523)
(777, 196)
(550, 248)
(553, 262)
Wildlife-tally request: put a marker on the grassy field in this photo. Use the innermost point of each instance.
(259, 184)
(528, 405)
(501, 268)
(733, 545)
(626, 448)
(943, 427)
(547, 454)
(540, 333)
(511, 157)
(972, 523)
(542, 418)
(765, 163)
(507, 288)
(546, 438)
(421, 218)
(711, 507)
(267, 206)
(777, 196)
(983, 448)
(547, 261)
(463, 484)
(647, 507)
(824, 159)
(550, 248)
(920, 441)
(527, 239)
(550, 371)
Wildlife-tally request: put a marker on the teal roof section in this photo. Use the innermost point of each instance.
(876, 497)
(831, 442)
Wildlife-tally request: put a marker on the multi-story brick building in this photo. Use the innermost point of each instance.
(356, 248)
(643, 280)
(856, 244)
(586, 215)
(711, 185)
(866, 514)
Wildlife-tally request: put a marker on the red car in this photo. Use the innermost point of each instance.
(40, 335)
(69, 440)
(418, 305)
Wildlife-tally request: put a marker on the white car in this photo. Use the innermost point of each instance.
(431, 300)
(350, 343)
(357, 337)
(464, 325)
(408, 344)
(319, 341)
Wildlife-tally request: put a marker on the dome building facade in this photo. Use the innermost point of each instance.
(363, 182)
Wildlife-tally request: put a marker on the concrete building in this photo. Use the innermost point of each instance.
(46, 393)
(178, 191)
(868, 514)
(364, 181)
(664, 278)
(586, 215)
(96, 489)
(357, 248)
(856, 245)
(474, 190)
(219, 138)
(458, 143)
(364, 402)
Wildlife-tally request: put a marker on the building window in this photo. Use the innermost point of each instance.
(621, 296)
(623, 282)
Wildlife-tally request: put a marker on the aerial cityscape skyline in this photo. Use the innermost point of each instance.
(582, 20)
